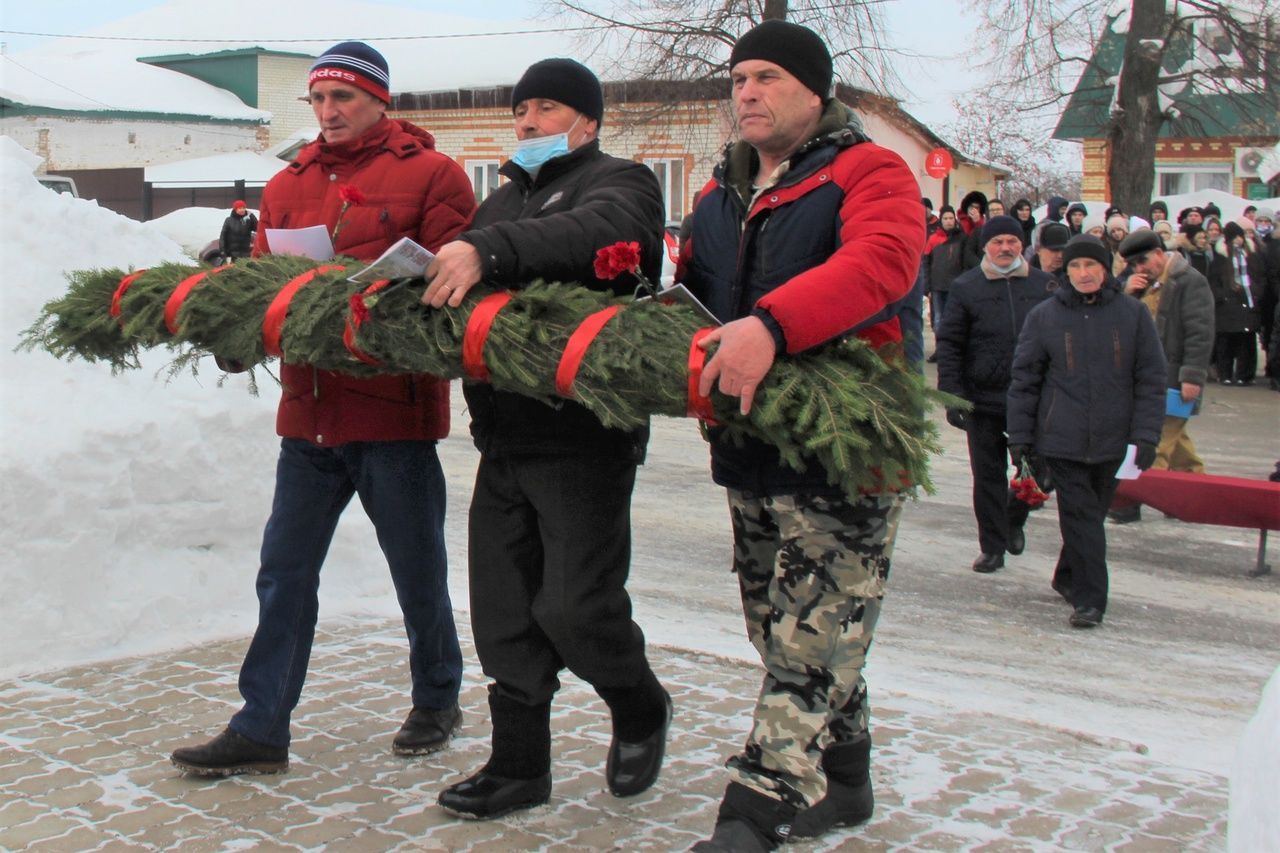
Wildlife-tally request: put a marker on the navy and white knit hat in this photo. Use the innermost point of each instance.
(356, 63)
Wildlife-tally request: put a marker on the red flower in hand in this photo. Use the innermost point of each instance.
(351, 194)
(1026, 489)
(613, 261)
(359, 311)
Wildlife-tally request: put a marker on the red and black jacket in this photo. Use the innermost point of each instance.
(832, 249)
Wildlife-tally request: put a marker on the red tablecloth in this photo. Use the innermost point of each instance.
(1206, 498)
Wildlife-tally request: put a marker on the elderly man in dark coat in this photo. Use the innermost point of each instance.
(1088, 380)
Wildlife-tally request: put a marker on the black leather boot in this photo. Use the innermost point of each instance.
(641, 720)
(518, 773)
(849, 800)
(427, 730)
(230, 754)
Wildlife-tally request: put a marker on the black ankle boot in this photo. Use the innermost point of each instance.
(849, 800)
(518, 773)
(748, 822)
(641, 720)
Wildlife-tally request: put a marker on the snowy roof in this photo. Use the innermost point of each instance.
(425, 51)
(218, 170)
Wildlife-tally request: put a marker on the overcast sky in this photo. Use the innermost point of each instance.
(936, 29)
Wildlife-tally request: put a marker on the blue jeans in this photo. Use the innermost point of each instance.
(401, 488)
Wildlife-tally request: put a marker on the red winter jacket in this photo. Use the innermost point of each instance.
(411, 190)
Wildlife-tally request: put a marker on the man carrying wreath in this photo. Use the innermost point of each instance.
(370, 180)
(550, 527)
(807, 232)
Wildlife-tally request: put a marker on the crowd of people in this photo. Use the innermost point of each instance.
(997, 283)
(1036, 323)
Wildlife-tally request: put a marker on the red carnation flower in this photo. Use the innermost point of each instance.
(359, 311)
(351, 194)
(613, 261)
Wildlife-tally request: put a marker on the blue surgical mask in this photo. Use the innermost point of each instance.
(1263, 229)
(532, 154)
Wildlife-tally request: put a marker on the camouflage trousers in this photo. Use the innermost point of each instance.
(812, 573)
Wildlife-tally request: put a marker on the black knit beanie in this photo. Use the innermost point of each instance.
(571, 83)
(798, 49)
(1086, 246)
(1000, 225)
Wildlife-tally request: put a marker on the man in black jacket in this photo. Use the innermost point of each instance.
(975, 350)
(550, 530)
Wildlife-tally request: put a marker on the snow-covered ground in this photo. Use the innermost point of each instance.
(134, 506)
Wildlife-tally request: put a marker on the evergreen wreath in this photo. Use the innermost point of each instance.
(859, 413)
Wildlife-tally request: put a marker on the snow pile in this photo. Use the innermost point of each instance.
(1254, 816)
(192, 228)
(133, 506)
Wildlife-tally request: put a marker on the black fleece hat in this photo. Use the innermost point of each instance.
(1054, 235)
(1139, 243)
(1000, 225)
(1086, 246)
(1231, 231)
(798, 49)
(564, 80)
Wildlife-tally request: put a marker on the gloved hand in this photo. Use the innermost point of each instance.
(958, 418)
(1020, 453)
(1146, 455)
(230, 365)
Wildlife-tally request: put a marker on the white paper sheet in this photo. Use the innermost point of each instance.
(1129, 470)
(310, 242)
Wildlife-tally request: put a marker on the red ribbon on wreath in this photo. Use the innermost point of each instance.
(278, 310)
(576, 348)
(174, 304)
(699, 406)
(125, 282)
(360, 313)
(477, 333)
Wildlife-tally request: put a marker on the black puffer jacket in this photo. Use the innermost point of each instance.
(1088, 379)
(236, 240)
(979, 330)
(1233, 310)
(551, 228)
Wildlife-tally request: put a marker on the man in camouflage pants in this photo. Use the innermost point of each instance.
(839, 257)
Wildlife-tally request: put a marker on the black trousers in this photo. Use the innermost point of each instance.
(550, 550)
(994, 505)
(1084, 493)
(1237, 356)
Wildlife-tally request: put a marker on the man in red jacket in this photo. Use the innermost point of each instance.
(808, 232)
(343, 436)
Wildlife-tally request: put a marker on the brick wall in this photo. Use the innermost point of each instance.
(1215, 151)
(281, 81)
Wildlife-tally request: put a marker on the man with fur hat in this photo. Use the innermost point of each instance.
(839, 257)
(987, 307)
(550, 528)
(342, 436)
(1088, 380)
(1179, 299)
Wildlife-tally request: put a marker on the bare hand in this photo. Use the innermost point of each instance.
(1190, 391)
(455, 269)
(1137, 282)
(745, 354)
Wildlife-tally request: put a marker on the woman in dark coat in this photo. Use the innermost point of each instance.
(1088, 380)
(1237, 277)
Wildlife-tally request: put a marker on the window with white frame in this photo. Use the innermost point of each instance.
(670, 173)
(484, 176)
(1175, 179)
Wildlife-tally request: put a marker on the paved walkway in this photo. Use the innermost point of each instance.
(84, 766)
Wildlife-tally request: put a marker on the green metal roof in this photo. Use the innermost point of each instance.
(14, 108)
(1199, 115)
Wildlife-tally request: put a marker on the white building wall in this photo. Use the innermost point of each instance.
(68, 143)
(282, 80)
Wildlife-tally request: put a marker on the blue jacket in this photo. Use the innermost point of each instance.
(1088, 379)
